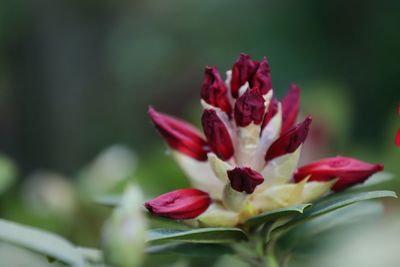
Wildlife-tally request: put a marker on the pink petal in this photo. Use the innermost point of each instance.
(349, 171)
(181, 204)
(180, 135)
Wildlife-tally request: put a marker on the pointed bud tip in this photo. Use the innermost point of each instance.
(249, 108)
(217, 134)
(244, 179)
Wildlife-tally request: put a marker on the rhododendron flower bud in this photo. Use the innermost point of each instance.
(397, 138)
(180, 135)
(217, 134)
(214, 90)
(290, 107)
(349, 171)
(181, 204)
(289, 141)
(242, 71)
(246, 162)
(249, 108)
(272, 110)
(244, 179)
(262, 78)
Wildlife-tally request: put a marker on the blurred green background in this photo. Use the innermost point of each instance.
(77, 77)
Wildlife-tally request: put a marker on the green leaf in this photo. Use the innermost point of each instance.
(42, 242)
(374, 180)
(201, 235)
(333, 203)
(191, 249)
(309, 236)
(276, 214)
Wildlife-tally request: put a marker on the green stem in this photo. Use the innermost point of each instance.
(270, 254)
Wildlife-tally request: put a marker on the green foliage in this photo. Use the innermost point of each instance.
(42, 242)
(276, 214)
(201, 235)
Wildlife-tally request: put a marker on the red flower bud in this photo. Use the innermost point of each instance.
(180, 135)
(290, 107)
(349, 171)
(262, 77)
(244, 179)
(272, 110)
(249, 108)
(217, 134)
(242, 71)
(397, 138)
(214, 91)
(289, 141)
(181, 204)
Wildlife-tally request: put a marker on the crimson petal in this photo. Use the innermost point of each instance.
(290, 107)
(289, 141)
(397, 138)
(180, 135)
(181, 204)
(242, 71)
(244, 179)
(262, 78)
(217, 134)
(349, 171)
(249, 108)
(272, 110)
(214, 91)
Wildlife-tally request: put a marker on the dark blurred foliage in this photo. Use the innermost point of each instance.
(77, 76)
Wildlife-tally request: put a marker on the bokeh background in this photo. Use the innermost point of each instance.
(76, 78)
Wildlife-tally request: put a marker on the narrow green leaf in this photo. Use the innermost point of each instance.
(40, 241)
(315, 232)
(374, 180)
(276, 214)
(191, 249)
(201, 235)
(332, 204)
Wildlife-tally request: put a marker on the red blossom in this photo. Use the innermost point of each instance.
(217, 134)
(272, 110)
(214, 91)
(249, 108)
(181, 204)
(242, 71)
(290, 107)
(180, 135)
(244, 179)
(349, 171)
(397, 138)
(289, 141)
(262, 78)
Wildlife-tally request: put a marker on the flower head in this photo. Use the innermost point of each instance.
(246, 162)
